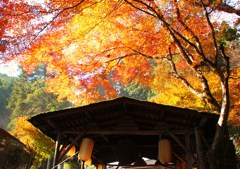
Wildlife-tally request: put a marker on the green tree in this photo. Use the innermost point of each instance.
(6, 84)
(135, 90)
(39, 146)
(29, 96)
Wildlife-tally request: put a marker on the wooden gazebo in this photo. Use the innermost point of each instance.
(125, 130)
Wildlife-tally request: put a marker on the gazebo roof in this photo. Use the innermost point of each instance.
(128, 124)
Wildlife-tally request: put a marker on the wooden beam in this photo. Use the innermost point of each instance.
(131, 132)
(188, 152)
(178, 157)
(56, 153)
(53, 125)
(167, 166)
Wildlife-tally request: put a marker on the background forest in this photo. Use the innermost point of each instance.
(72, 53)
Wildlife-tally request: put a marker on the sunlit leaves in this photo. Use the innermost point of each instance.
(88, 45)
(94, 43)
(33, 139)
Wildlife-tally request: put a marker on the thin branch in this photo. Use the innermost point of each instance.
(50, 22)
(173, 32)
(200, 50)
(178, 76)
(227, 8)
(212, 29)
(198, 47)
(205, 94)
(233, 77)
(142, 54)
(120, 57)
(56, 16)
(140, 9)
(97, 24)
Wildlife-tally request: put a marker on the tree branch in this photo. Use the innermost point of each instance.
(205, 94)
(140, 9)
(56, 16)
(212, 30)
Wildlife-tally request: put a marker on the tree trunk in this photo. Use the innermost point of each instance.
(219, 147)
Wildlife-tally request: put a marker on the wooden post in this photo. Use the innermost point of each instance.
(56, 154)
(49, 163)
(188, 157)
(201, 164)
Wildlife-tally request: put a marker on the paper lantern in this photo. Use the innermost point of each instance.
(71, 152)
(101, 166)
(165, 151)
(86, 148)
(88, 162)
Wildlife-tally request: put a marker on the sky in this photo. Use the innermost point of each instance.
(10, 69)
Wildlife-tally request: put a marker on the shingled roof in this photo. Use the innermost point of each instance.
(126, 121)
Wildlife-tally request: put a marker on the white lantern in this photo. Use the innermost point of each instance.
(165, 151)
(86, 148)
(88, 162)
(101, 166)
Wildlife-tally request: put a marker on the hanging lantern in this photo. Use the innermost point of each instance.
(101, 166)
(86, 148)
(71, 152)
(88, 162)
(165, 151)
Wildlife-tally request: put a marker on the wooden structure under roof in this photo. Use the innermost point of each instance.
(126, 129)
(7, 138)
(13, 153)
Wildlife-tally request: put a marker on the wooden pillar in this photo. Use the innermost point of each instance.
(57, 152)
(49, 163)
(188, 157)
(199, 147)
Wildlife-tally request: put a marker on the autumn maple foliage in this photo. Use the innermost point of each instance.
(90, 46)
(3, 23)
